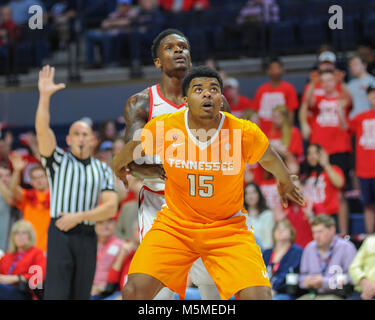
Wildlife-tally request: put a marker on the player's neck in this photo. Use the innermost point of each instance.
(170, 88)
(196, 123)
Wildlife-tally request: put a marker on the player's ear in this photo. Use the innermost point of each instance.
(67, 139)
(185, 101)
(157, 63)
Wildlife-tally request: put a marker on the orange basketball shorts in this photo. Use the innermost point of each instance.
(227, 248)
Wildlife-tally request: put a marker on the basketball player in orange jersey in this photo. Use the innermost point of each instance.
(203, 216)
(171, 54)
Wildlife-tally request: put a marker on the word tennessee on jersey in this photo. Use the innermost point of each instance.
(202, 173)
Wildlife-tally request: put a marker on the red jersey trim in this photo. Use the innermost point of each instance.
(161, 192)
(166, 100)
(151, 104)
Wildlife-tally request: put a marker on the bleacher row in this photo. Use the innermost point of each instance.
(303, 26)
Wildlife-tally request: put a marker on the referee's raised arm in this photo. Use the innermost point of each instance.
(82, 191)
(47, 87)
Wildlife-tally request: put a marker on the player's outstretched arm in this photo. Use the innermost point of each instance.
(272, 162)
(47, 87)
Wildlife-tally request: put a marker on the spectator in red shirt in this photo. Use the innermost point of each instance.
(363, 127)
(183, 5)
(284, 137)
(9, 30)
(273, 93)
(271, 194)
(327, 131)
(326, 61)
(118, 275)
(109, 247)
(323, 182)
(23, 265)
(300, 218)
(237, 102)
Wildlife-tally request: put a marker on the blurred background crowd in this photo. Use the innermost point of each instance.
(323, 128)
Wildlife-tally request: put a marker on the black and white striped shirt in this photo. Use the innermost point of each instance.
(75, 184)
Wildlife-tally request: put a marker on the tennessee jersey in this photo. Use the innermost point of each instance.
(204, 179)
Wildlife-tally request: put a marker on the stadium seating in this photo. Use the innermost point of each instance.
(282, 37)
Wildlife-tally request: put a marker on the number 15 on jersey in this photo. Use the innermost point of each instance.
(205, 188)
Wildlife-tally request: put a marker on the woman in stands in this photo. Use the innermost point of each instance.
(283, 259)
(24, 265)
(323, 182)
(260, 216)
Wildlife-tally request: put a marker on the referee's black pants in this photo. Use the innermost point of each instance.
(71, 262)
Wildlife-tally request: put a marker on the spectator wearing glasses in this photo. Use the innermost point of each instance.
(323, 259)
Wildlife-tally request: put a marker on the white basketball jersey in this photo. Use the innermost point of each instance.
(158, 106)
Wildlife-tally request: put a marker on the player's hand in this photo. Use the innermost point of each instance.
(289, 191)
(46, 84)
(162, 174)
(67, 221)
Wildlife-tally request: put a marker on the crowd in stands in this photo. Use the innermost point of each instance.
(327, 138)
(120, 32)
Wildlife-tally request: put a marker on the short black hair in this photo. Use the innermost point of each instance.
(273, 60)
(200, 72)
(370, 89)
(357, 56)
(366, 43)
(161, 36)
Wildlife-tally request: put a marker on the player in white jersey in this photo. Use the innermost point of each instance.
(171, 54)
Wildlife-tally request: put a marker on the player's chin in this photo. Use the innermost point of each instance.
(207, 116)
(181, 67)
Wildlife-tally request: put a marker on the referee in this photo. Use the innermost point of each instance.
(78, 183)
